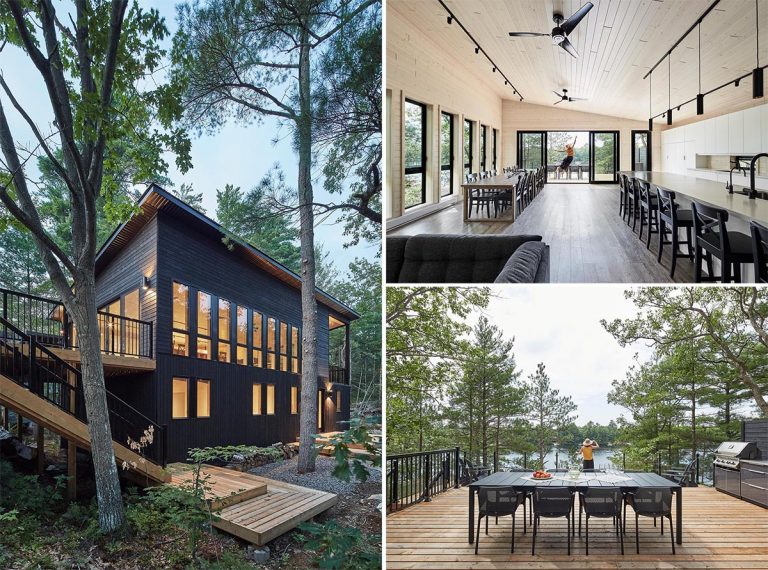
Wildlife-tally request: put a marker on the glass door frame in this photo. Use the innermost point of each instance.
(520, 135)
(616, 156)
(649, 144)
(417, 169)
(452, 160)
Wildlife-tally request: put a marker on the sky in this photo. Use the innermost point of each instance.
(238, 155)
(560, 326)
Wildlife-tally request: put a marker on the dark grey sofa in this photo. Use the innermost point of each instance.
(437, 258)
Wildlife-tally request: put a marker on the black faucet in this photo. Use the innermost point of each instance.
(753, 168)
(729, 185)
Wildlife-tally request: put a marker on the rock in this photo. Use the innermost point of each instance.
(257, 555)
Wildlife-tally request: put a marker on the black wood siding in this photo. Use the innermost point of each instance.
(757, 431)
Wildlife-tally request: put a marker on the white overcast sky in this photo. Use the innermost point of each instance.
(560, 326)
(238, 155)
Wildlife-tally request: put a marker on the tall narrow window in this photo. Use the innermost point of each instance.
(203, 398)
(225, 320)
(242, 336)
(294, 400)
(130, 332)
(415, 154)
(495, 155)
(295, 350)
(320, 409)
(483, 140)
(469, 134)
(270, 399)
(338, 401)
(283, 347)
(258, 351)
(271, 334)
(446, 154)
(180, 335)
(180, 398)
(256, 399)
(203, 325)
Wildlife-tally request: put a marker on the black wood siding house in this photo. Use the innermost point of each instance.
(227, 331)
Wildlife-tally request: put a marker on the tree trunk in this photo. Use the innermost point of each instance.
(484, 419)
(309, 375)
(111, 516)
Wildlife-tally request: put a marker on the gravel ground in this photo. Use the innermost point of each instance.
(322, 479)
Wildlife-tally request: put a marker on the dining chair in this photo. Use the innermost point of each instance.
(672, 218)
(498, 502)
(760, 251)
(653, 503)
(551, 502)
(713, 239)
(602, 502)
(649, 207)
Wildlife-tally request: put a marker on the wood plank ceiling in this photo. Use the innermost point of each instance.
(618, 42)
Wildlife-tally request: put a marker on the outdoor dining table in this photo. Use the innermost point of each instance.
(522, 481)
(497, 184)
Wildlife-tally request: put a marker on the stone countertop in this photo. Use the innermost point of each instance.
(761, 462)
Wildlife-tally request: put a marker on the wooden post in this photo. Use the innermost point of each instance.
(71, 470)
(40, 449)
(5, 418)
(19, 428)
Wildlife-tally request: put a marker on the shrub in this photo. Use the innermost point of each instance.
(340, 547)
(348, 463)
(26, 493)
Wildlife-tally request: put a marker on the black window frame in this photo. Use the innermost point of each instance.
(616, 156)
(520, 157)
(495, 148)
(649, 144)
(452, 159)
(483, 142)
(468, 146)
(423, 168)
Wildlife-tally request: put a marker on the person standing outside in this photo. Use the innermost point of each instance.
(586, 452)
(568, 150)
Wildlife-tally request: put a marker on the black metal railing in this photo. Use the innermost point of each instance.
(30, 364)
(337, 374)
(416, 477)
(48, 323)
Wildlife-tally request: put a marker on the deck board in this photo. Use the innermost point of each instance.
(719, 531)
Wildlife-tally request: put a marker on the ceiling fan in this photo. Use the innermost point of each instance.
(564, 97)
(562, 29)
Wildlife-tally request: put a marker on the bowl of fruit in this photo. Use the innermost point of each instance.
(538, 474)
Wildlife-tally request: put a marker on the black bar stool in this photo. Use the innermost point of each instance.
(622, 195)
(649, 206)
(760, 251)
(672, 218)
(713, 239)
(634, 203)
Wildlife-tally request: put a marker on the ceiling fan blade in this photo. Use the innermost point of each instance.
(557, 94)
(574, 20)
(560, 101)
(577, 99)
(526, 34)
(568, 46)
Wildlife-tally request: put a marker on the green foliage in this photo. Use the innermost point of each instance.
(340, 547)
(25, 493)
(348, 463)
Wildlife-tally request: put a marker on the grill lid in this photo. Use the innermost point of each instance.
(737, 449)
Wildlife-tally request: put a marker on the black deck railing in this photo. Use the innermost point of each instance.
(48, 323)
(416, 477)
(25, 361)
(337, 374)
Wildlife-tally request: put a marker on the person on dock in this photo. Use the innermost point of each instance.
(586, 452)
(568, 150)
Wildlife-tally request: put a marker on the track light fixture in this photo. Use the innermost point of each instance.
(757, 73)
(669, 89)
(450, 20)
(494, 70)
(477, 50)
(650, 102)
(736, 83)
(700, 96)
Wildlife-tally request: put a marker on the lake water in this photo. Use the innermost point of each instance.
(601, 456)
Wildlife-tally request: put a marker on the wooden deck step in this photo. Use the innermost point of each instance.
(226, 487)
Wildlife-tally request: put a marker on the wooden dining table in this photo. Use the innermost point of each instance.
(627, 482)
(495, 184)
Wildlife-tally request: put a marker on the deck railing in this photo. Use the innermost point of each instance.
(416, 477)
(48, 323)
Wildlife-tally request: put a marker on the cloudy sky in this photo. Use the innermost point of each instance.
(238, 155)
(560, 326)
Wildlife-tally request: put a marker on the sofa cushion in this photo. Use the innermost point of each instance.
(395, 255)
(523, 266)
(456, 258)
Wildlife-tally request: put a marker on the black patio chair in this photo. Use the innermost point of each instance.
(498, 502)
(653, 503)
(685, 477)
(602, 502)
(551, 502)
(470, 472)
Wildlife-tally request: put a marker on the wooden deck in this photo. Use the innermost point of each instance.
(255, 508)
(719, 531)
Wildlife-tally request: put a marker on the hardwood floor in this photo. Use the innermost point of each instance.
(589, 242)
(719, 531)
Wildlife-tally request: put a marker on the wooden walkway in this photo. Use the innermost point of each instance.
(719, 531)
(255, 508)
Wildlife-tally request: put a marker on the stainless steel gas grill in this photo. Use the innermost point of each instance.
(727, 465)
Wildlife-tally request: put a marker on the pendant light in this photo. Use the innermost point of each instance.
(650, 101)
(700, 96)
(669, 90)
(757, 73)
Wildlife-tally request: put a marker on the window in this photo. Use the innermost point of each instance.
(483, 139)
(270, 399)
(495, 155)
(130, 331)
(271, 332)
(284, 347)
(180, 335)
(121, 335)
(446, 154)
(258, 353)
(295, 350)
(180, 398)
(469, 133)
(257, 399)
(641, 150)
(294, 400)
(530, 149)
(203, 325)
(203, 398)
(415, 154)
(338, 401)
(320, 409)
(225, 321)
(242, 336)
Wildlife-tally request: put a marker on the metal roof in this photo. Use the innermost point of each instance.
(156, 198)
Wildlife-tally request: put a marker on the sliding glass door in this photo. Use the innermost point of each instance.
(604, 156)
(567, 157)
(641, 150)
(530, 149)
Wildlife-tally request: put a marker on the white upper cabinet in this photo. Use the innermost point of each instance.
(721, 135)
(764, 128)
(736, 133)
(752, 135)
(710, 137)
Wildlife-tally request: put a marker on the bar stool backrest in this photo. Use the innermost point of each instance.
(710, 222)
(602, 501)
(498, 501)
(552, 501)
(667, 204)
(760, 251)
(651, 501)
